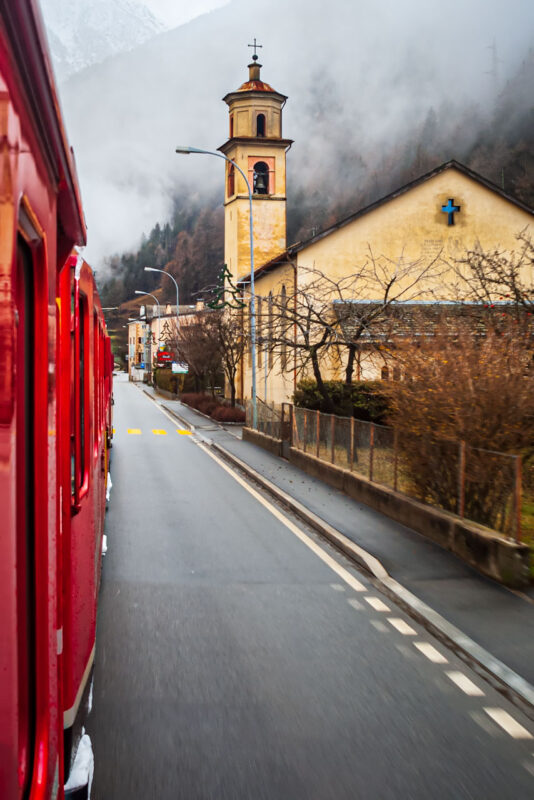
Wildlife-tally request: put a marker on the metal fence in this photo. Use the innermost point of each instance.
(480, 485)
(269, 417)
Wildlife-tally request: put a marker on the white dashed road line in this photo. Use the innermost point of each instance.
(380, 627)
(430, 652)
(401, 626)
(465, 684)
(377, 604)
(508, 723)
(355, 603)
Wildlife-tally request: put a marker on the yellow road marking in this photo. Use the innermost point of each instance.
(183, 433)
(134, 431)
(159, 432)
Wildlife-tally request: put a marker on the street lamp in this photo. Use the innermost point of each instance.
(155, 269)
(189, 151)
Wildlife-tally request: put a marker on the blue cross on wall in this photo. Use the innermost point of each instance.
(450, 209)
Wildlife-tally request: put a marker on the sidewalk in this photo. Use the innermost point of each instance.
(495, 618)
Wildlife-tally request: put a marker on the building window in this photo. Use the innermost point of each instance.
(396, 374)
(260, 125)
(261, 178)
(384, 374)
(231, 127)
(231, 180)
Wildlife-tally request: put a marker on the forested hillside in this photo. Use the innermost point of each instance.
(499, 146)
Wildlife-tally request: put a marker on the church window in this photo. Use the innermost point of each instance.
(384, 374)
(396, 374)
(261, 178)
(231, 180)
(260, 125)
(231, 127)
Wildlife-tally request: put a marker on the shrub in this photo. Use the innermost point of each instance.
(165, 379)
(228, 414)
(365, 400)
(474, 385)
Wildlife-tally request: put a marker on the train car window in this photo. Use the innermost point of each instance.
(25, 488)
(82, 322)
(96, 378)
(72, 390)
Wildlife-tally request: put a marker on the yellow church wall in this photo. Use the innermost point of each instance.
(413, 228)
(280, 383)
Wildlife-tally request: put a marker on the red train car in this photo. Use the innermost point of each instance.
(55, 425)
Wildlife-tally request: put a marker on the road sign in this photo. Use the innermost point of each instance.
(180, 369)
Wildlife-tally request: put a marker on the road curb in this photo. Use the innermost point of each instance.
(508, 682)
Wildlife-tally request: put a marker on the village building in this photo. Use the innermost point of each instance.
(417, 234)
(152, 338)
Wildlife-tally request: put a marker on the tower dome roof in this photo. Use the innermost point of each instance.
(255, 86)
(254, 83)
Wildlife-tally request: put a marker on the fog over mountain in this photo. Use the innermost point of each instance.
(362, 79)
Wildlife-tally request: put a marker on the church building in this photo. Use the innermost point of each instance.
(426, 225)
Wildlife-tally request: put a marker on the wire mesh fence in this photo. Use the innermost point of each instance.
(269, 416)
(480, 485)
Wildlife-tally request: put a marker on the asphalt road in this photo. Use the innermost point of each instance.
(237, 657)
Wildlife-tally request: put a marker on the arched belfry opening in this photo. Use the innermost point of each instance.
(261, 178)
(231, 180)
(260, 125)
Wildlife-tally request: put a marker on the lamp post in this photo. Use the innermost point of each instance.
(154, 269)
(189, 151)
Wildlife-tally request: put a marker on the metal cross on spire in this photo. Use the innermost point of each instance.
(255, 46)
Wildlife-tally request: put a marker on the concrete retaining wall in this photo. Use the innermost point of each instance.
(492, 554)
(268, 443)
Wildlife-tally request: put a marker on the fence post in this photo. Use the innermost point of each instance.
(518, 496)
(395, 457)
(305, 429)
(351, 453)
(294, 431)
(333, 438)
(371, 449)
(461, 481)
(317, 433)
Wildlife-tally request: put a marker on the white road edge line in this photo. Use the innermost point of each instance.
(508, 723)
(430, 652)
(465, 684)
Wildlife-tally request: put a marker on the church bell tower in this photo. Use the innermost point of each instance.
(255, 143)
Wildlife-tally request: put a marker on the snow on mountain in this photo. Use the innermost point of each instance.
(85, 32)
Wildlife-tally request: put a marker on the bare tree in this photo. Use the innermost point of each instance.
(197, 344)
(232, 344)
(330, 317)
(472, 383)
(498, 276)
